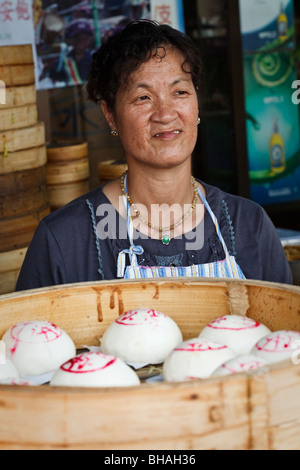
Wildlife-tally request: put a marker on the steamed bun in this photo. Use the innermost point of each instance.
(195, 358)
(239, 333)
(94, 369)
(278, 346)
(238, 364)
(37, 347)
(142, 336)
(8, 371)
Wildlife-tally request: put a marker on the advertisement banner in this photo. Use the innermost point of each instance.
(272, 127)
(267, 25)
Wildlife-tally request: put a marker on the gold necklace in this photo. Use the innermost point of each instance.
(164, 231)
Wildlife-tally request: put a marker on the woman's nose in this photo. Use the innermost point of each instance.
(164, 111)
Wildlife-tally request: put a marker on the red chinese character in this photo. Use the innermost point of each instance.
(6, 10)
(163, 14)
(22, 10)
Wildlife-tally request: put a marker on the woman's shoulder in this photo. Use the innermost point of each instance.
(246, 216)
(218, 197)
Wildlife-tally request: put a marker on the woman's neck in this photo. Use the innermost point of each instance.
(163, 197)
(159, 186)
(166, 199)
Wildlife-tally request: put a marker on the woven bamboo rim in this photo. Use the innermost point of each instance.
(20, 139)
(111, 169)
(18, 117)
(61, 194)
(12, 55)
(17, 75)
(68, 172)
(19, 96)
(65, 151)
(16, 182)
(25, 202)
(22, 160)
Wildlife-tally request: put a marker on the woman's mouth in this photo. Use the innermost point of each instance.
(167, 134)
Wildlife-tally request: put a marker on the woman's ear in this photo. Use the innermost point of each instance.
(109, 116)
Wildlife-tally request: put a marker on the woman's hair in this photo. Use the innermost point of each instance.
(121, 54)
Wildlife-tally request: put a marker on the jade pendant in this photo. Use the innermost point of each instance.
(166, 239)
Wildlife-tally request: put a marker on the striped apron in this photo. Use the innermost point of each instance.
(227, 268)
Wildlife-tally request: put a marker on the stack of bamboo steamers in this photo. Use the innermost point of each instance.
(67, 172)
(23, 157)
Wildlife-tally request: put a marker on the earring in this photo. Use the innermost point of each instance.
(114, 133)
(199, 121)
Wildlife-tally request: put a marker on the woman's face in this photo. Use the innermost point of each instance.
(156, 113)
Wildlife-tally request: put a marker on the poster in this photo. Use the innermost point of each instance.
(273, 127)
(68, 31)
(267, 25)
(16, 23)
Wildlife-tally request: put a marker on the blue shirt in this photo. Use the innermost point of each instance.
(66, 247)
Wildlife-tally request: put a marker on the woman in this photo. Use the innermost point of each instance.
(156, 220)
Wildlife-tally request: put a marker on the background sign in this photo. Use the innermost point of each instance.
(16, 23)
(272, 127)
(67, 32)
(267, 24)
(168, 12)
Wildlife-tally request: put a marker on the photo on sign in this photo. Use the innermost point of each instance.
(67, 32)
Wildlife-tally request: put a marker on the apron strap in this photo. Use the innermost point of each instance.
(216, 223)
(133, 251)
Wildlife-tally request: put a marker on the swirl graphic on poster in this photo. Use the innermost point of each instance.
(272, 69)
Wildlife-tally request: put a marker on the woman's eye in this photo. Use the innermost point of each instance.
(143, 98)
(181, 92)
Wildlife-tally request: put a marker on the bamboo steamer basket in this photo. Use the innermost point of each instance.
(17, 232)
(17, 69)
(61, 194)
(293, 256)
(19, 139)
(10, 265)
(240, 412)
(292, 252)
(21, 180)
(25, 202)
(110, 170)
(17, 75)
(18, 117)
(25, 159)
(11, 55)
(19, 96)
(67, 172)
(64, 151)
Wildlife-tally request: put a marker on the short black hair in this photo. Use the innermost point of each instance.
(121, 54)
